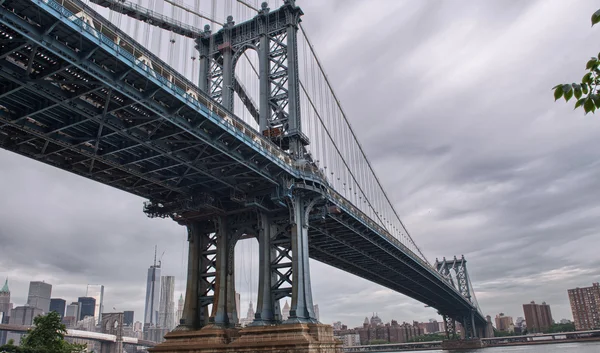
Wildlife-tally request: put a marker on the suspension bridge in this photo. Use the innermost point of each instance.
(231, 129)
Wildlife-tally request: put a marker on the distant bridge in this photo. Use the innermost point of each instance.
(87, 335)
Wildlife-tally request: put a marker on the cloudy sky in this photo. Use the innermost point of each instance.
(452, 101)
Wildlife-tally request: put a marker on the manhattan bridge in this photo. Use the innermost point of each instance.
(227, 125)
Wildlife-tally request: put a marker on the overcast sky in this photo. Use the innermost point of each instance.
(452, 101)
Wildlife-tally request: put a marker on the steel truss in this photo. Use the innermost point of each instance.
(273, 35)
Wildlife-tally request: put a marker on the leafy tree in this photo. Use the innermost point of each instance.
(47, 336)
(569, 327)
(378, 342)
(428, 338)
(586, 93)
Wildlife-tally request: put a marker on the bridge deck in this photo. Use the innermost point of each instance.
(79, 94)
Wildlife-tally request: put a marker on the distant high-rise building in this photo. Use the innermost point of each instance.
(237, 306)
(166, 312)
(585, 305)
(58, 305)
(87, 307)
(137, 326)
(504, 323)
(24, 315)
(128, 318)
(538, 317)
(250, 313)
(249, 316)
(152, 295)
(375, 320)
(39, 295)
(5, 303)
(180, 304)
(285, 312)
(96, 291)
(316, 310)
(74, 310)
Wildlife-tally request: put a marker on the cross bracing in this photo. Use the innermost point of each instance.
(83, 96)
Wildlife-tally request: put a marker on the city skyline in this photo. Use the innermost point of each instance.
(474, 194)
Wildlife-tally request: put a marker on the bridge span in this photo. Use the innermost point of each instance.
(81, 95)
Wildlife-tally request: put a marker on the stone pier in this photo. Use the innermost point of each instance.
(286, 338)
(472, 343)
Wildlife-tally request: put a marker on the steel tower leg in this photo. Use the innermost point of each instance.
(203, 47)
(301, 310)
(227, 52)
(200, 276)
(294, 121)
(265, 309)
(450, 326)
(224, 312)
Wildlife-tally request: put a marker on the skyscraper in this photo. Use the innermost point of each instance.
(74, 310)
(128, 318)
(585, 305)
(24, 315)
(87, 306)
(538, 317)
(285, 311)
(58, 305)
(166, 314)
(504, 323)
(180, 304)
(316, 311)
(39, 295)
(152, 294)
(96, 291)
(5, 302)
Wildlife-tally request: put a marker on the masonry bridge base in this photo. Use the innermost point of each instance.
(471, 343)
(288, 338)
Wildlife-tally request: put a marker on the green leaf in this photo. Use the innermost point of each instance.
(587, 78)
(584, 88)
(596, 17)
(591, 63)
(579, 103)
(558, 92)
(596, 99)
(577, 91)
(568, 95)
(589, 106)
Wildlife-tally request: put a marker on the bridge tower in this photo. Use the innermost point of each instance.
(282, 233)
(112, 323)
(455, 272)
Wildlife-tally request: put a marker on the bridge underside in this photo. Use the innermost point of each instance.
(89, 104)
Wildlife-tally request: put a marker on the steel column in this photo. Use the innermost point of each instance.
(264, 69)
(224, 311)
(301, 309)
(195, 309)
(294, 121)
(265, 308)
(203, 47)
(227, 52)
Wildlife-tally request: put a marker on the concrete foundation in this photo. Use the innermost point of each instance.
(289, 338)
(462, 344)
